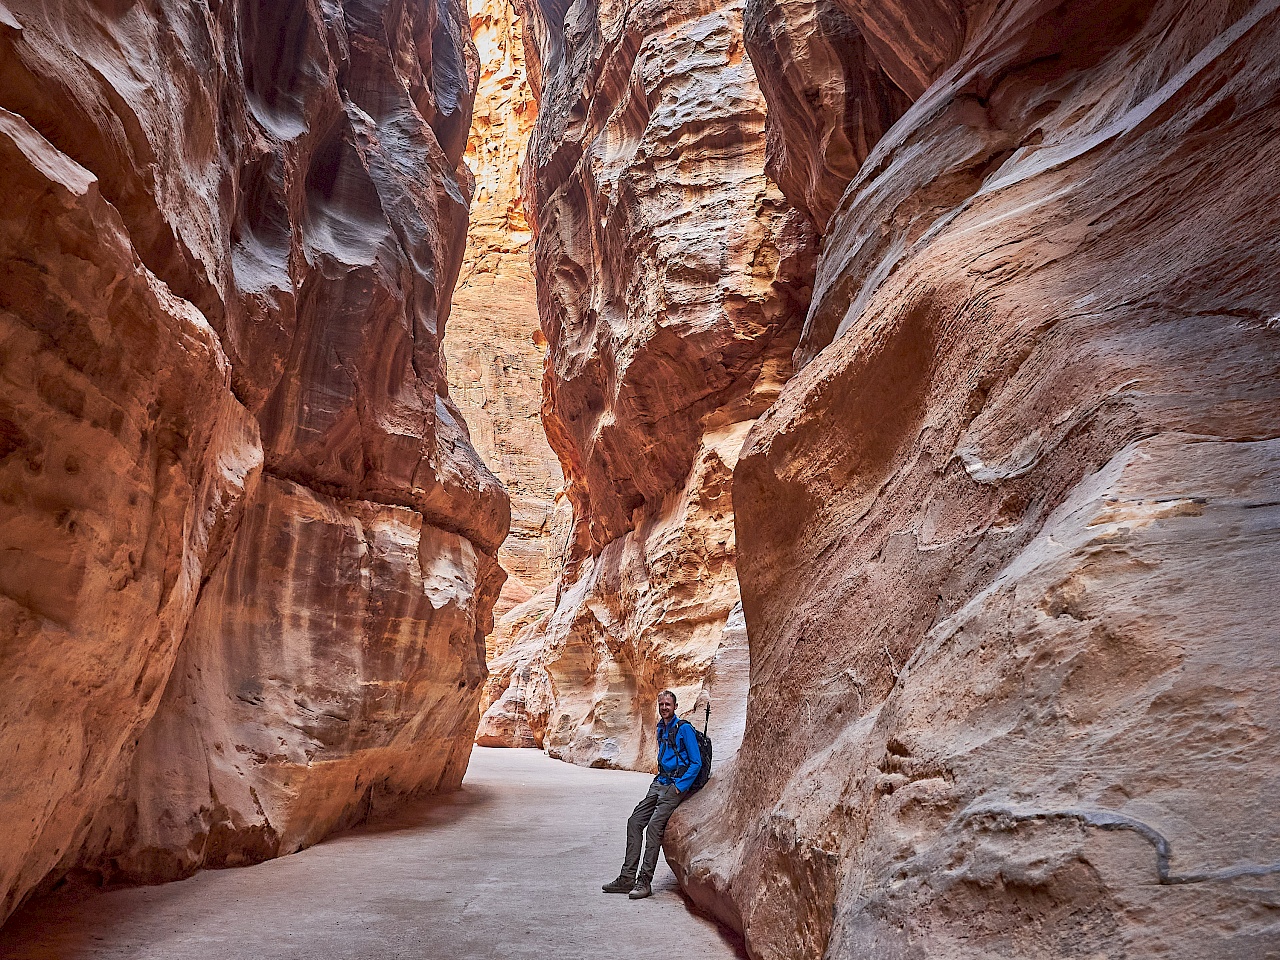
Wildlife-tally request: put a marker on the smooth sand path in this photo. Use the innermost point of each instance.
(509, 867)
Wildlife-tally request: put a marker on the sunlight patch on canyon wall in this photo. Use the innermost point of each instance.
(495, 349)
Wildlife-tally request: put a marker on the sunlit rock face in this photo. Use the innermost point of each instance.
(495, 358)
(503, 118)
(495, 349)
(669, 272)
(230, 236)
(1006, 539)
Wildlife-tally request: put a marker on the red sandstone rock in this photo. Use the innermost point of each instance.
(518, 696)
(124, 460)
(503, 118)
(495, 377)
(829, 99)
(1005, 539)
(668, 272)
(230, 224)
(275, 731)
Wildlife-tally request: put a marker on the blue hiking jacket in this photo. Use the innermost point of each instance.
(686, 756)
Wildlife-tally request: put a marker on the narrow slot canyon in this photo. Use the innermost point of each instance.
(395, 397)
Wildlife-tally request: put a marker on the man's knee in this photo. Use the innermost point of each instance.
(664, 811)
(659, 823)
(643, 812)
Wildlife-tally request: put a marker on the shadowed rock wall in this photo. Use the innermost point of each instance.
(668, 274)
(248, 553)
(1006, 537)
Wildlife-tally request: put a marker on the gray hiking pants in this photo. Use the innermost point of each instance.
(649, 821)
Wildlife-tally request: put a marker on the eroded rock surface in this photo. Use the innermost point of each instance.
(124, 458)
(495, 358)
(502, 121)
(229, 239)
(1004, 538)
(669, 271)
(519, 696)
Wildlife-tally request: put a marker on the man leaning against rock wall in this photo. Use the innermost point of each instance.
(679, 762)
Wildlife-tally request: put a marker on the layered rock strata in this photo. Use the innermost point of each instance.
(519, 696)
(1005, 538)
(124, 461)
(249, 554)
(669, 271)
(495, 358)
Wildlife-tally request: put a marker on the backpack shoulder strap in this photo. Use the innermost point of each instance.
(672, 741)
(677, 746)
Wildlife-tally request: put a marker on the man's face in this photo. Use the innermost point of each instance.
(666, 708)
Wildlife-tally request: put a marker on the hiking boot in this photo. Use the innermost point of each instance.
(621, 885)
(641, 890)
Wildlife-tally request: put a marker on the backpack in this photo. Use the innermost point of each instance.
(704, 749)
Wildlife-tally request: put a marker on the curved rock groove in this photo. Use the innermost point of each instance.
(1108, 820)
(508, 867)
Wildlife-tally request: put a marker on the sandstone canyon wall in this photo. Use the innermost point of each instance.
(1007, 539)
(495, 348)
(248, 553)
(669, 277)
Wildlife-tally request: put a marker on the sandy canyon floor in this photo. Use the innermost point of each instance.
(509, 867)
